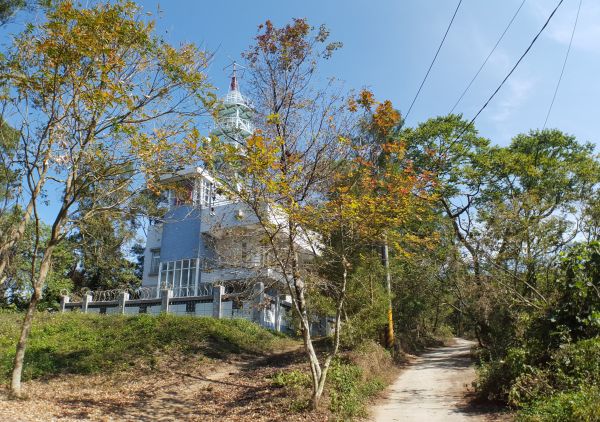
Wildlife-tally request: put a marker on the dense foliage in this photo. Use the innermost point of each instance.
(552, 369)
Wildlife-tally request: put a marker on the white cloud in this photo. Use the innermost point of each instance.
(516, 92)
(587, 34)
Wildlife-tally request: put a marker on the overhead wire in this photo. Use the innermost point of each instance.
(564, 65)
(488, 56)
(511, 70)
(433, 61)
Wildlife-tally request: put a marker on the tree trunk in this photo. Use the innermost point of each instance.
(388, 285)
(315, 366)
(299, 290)
(38, 283)
(3, 265)
(318, 391)
(15, 385)
(437, 315)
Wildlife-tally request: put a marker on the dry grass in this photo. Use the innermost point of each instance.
(238, 389)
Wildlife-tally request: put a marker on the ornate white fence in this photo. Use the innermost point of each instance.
(266, 310)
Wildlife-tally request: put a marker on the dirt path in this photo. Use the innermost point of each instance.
(433, 388)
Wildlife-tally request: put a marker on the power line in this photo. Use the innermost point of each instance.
(513, 69)
(433, 61)
(564, 65)
(488, 57)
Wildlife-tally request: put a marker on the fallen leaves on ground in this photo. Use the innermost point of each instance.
(179, 389)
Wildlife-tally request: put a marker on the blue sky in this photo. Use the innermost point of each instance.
(388, 46)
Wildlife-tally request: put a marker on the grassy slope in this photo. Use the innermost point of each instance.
(86, 344)
(76, 343)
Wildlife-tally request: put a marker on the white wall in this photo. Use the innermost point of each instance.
(153, 241)
(226, 217)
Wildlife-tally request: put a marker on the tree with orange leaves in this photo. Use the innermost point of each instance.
(393, 190)
(309, 179)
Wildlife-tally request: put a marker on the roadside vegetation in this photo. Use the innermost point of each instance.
(356, 378)
(550, 369)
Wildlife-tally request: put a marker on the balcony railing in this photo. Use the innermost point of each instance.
(235, 123)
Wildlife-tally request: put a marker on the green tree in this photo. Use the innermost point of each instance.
(8, 8)
(538, 181)
(17, 288)
(576, 314)
(457, 157)
(9, 184)
(526, 215)
(101, 245)
(590, 220)
(108, 104)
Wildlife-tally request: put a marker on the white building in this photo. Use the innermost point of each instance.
(206, 239)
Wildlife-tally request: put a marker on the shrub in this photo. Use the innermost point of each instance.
(571, 370)
(530, 386)
(578, 308)
(294, 379)
(345, 382)
(582, 405)
(298, 385)
(496, 377)
(353, 379)
(577, 364)
(374, 360)
(444, 333)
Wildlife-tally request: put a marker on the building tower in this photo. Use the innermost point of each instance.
(234, 123)
(176, 250)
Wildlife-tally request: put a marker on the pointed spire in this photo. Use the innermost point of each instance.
(233, 86)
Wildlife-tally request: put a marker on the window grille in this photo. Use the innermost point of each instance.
(154, 261)
(204, 193)
(179, 276)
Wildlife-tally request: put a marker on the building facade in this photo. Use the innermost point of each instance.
(207, 240)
